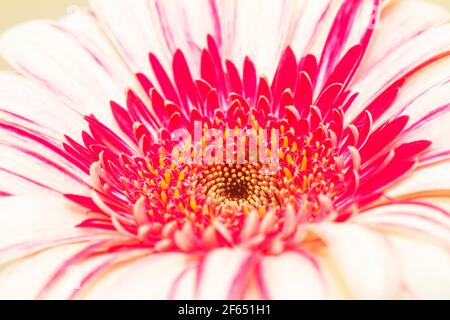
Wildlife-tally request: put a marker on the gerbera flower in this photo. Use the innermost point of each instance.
(98, 200)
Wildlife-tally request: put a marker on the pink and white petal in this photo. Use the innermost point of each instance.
(63, 63)
(32, 128)
(408, 18)
(185, 25)
(440, 202)
(354, 24)
(422, 49)
(431, 88)
(134, 28)
(43, 169)
(426, 180)
(185, 285)
(415, 219)
(429, 81)
(21, 185)
(25, 278)
(27, 104)
(260, 29)
(425, 268)
(24, 217)
(150, 277)
(363, 257)
(224, 274)
(292, 275)
(74, 279)
(433, 125)
(39, 240)
(86, 28)
(427, 87)
(313, 23)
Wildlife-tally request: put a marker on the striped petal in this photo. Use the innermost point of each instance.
(292, 275)
(150, 277)
(213, 283)
(133, 27)
(27, 104)
(429, 180)
(182, 29)
(415, 219)
(409, 18)
(37, 237)
(25, 278)
(364, 259)
(25, 217)
(44, 51)
(353, 25)
(424, 82)
(312, 27)
(259, 28)
(31, 162)
(403, 60)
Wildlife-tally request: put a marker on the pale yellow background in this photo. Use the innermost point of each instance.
(16, 11)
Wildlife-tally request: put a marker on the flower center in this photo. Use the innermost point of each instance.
(239, 185)
(227, 163)
(226, 160)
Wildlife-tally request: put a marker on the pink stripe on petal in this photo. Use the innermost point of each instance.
(182, 28)
(183, 286)
(146, 278)
(428, 179)
(79, 257)
(365, 259)
(291, 275)
(343, 35)
(213, 283)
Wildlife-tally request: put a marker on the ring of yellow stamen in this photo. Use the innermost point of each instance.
(240, 185)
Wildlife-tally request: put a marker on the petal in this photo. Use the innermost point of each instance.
(150, 277)
(78, 278)
(314, 21)
(408, 19)
(425, 268)
(403, 60)
(87, 30)
(433, 125)
(38, 235)
(426, 87)
(184, 287)
(31, 163)
(186, 25)
(425, 181)
(64, 62)
(260, 29)
(133, 26)
(292, 275)
(25, 278)
(364, 259)
(354, 24)
(27, 104)
(25, 217)
(214, 283)
(421, 220)
(429, 87)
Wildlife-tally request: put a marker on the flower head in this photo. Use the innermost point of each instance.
(228, 149)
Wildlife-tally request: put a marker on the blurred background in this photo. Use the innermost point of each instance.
(16, 11)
